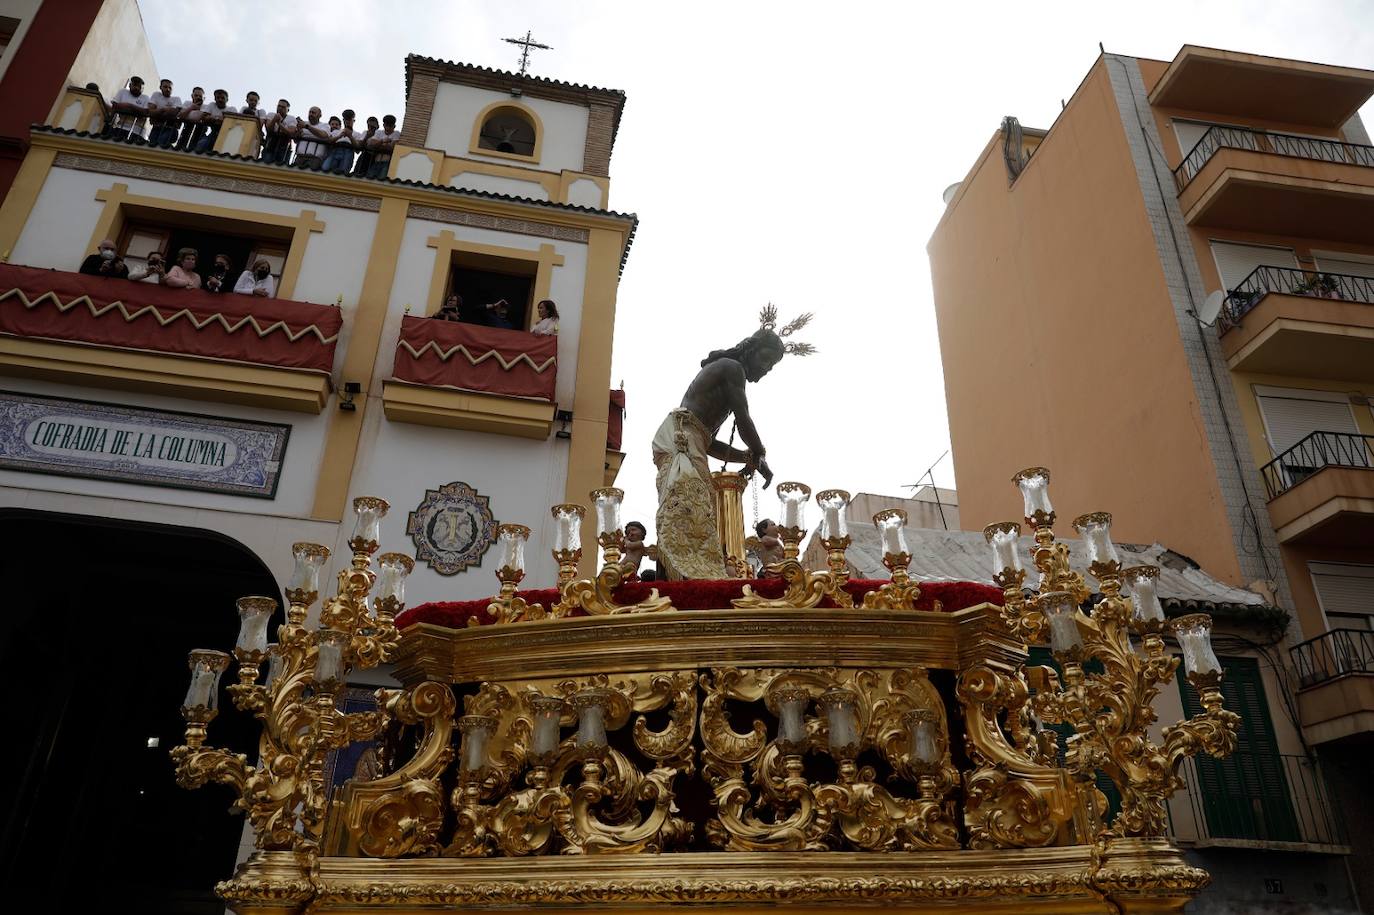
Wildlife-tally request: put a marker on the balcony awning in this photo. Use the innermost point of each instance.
(74, 307)
(1217, 82)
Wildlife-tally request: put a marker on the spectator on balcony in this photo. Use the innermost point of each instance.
(183, 274)
(258, 281)
(496, 315)
(451, 310)
(547, 325)
(105, 262)
(130, 108)
(163, 110)
(364, 160)
(312, 144)
(190, 116)
(250, 107)
(343, 142)
(280, 128)
(154, 269)
(380, 147)
(217, 277)
(212, 119)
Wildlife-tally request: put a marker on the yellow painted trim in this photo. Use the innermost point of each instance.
(14, 214)
(327, 183)
(468, 410)
(250, 140)
(118, 201)
(89, 102)
(453, 166)
(445, 245)
(614, 459)
(592, 390)
(503, 104)
(165, 374)
(435, 156)
(567, 178)
(360, 359)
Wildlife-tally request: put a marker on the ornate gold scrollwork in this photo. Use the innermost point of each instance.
(596, 596)
(793, 813)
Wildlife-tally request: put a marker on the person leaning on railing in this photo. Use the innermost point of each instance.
(212, 119)
(257, 281)
(130, 111)
(280, 129)
(191, 113)
(380, 145)
(451, 310)
(105, 262)
(183, 275)
(163, 109)
(547, 325)
(312, 144)
(153, 271)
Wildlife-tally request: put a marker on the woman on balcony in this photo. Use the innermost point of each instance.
(183, 275)
(547, 325)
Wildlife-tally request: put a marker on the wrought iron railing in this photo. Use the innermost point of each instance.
(1318, 450)
(1333, 654)
(1279, 144)
(1319, 284)
(1257, 797)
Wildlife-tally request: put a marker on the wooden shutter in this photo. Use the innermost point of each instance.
(1041, 657)
(1348, 264)
(1245, 795)
(1236, 261)
(1291, 417)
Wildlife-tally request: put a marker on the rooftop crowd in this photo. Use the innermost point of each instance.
(164, 120)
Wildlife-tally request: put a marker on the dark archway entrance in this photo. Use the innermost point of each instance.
(99, 617)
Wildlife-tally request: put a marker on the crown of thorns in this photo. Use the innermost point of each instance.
(768, 320)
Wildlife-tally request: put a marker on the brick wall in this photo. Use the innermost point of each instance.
(596, 156)
(419, 108)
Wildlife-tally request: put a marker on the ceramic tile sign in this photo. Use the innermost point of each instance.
(102, 441)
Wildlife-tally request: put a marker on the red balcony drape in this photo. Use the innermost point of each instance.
(472, 357)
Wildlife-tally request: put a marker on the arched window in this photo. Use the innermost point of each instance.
(508, 130)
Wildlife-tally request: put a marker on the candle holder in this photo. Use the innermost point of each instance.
(901, 593)
(284, 795)
(1115, 741)
(507, 607)
(567, 540)
(835, 530)
(804, 588)
(788, 702)
(597, 596)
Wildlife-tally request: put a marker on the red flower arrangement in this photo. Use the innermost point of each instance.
(948, 596)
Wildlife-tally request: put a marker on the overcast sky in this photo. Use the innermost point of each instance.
(787, 152)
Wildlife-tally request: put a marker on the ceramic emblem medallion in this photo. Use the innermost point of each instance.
(451, 528)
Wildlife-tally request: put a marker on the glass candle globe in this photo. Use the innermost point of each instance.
(1034, 483)
(369, 512)
(1061, 611)
(1096, 530)
(254, 615)
(1143, 585)
(206, 667)
(309, 560)
(891, 525)
(1004, 538)
(833, 503)
(607, 502)
(567, 533)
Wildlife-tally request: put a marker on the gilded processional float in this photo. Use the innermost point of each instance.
(798, 739)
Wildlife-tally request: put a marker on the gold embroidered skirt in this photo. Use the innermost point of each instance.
(688, 542)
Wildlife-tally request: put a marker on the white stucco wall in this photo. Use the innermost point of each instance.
(115, 49)
(499, 185)
(456, 108)
(585, 192)
(521, 477)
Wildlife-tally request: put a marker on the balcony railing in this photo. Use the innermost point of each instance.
(108, 312)
(1279, 144)
(472, 357)
(1255, 797)
(1261, 281)
(1316, 451)
(1333, 654)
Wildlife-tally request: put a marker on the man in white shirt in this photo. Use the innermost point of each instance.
(153, 270)
(344, 141)
(257, 281)
(250, 106)
(381, 144)
(190, 116)
(313, 143)
(212, 119)
(130, 111)
(163, 110)
(279, 129)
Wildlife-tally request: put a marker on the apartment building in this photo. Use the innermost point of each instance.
(1166, 298)
(161, 449)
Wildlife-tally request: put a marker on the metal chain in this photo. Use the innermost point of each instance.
(754, 491)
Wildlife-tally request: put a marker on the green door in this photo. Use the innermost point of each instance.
(1244, 796)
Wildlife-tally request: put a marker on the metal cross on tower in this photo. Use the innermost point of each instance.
(525, 44)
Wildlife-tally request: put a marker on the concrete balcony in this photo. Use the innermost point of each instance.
(1281, 184)
(110, 333)
(466, 376)
(1335, 674)
(1321, 491)
(1308, 324)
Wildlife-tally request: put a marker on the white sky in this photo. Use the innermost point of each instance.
(785, 152)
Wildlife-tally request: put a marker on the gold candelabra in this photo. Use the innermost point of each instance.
(805, 588)
(1111, 709)
(284, 794)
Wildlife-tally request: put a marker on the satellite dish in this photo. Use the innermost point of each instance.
(1211, 308)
